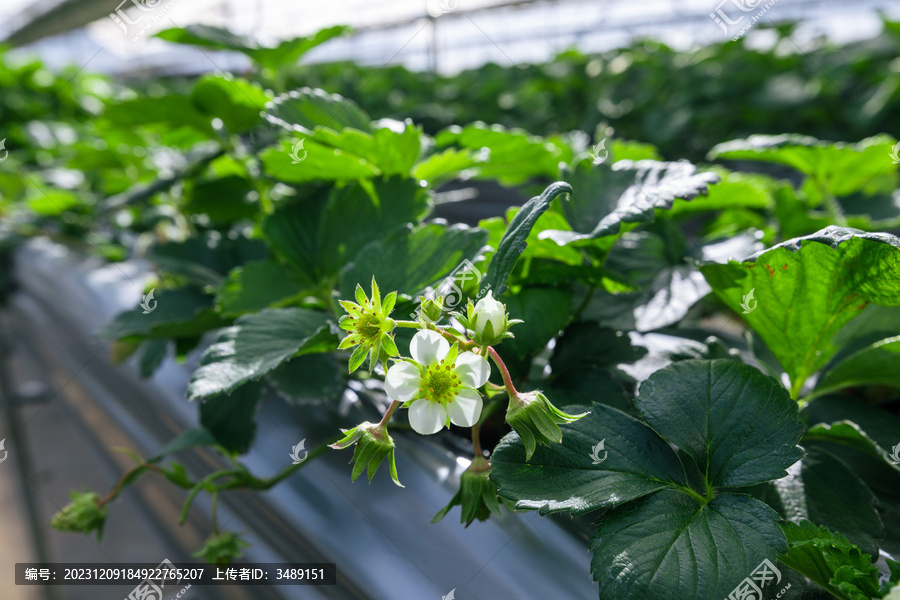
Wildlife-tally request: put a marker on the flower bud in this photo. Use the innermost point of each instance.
(373, 445)
(83, 514)
(477, 495)
(536, 420)
(487, 322)
(431, 310)
(221, 548)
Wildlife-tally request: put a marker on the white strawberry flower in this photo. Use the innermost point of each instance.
(440, 381)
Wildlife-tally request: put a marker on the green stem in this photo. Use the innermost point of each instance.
(201, 485)
(265, 484)
(507, 380)
(407, 324)
(693, 494)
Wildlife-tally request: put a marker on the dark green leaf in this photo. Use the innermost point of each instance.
(410, 259)
(190, 438)
(258, 343)
(669, 546)
(564, 476)
(821, 489)
(514, 242)
(258, 285)
(231, 419)
(311, 379)
(546, 312)
(739, 425)
(608, 200)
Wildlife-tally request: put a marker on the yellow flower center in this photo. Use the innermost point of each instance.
(369, 326)
(440, 383)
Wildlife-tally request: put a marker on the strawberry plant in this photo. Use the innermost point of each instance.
(702, 357)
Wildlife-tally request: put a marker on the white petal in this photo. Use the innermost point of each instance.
(427, 417)
(465, 408)
(428, 347)
(402, 381)
(473, 370)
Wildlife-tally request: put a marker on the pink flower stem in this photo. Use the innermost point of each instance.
(507, 380)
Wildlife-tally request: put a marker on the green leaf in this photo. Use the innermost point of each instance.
(231, 418)
(820, 489)
(313, 379)
(410, 259)
(237, 102)
(843, 168)
(660, 263)
(564, 476)
(669, 546)
(546, 312)
(304, 109)
(224, 200)
(323, 232)
(807, 289)
(514, 242)
(515, 156)
(258, 285)
(441, 167)
(190, 438)
(831, 561)
(153, 355)
(393, 147)
(184, 312)
(217, 38)
(712, 410)
(258, 343)
(608, 200)
(171, 111)
(876, 364)
(735, 190)
(847, 433)
(206, 259)
(878, 473)
(318, 162)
